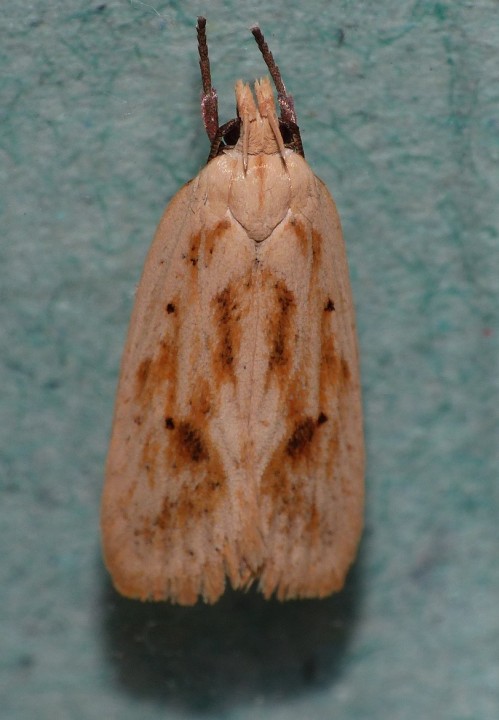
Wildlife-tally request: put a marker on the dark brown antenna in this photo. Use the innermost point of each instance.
(209, 101)
(286, 102)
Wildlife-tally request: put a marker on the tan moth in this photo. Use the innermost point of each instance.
(237, 445)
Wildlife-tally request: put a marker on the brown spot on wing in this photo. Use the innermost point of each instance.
(286, 481)
(190, 442)
(300, 438)
(225, 306)
(201, 500)
(292, 504)
(228, 314)
(280, 327)
(192, 256)
(197, 482)
(153, 373)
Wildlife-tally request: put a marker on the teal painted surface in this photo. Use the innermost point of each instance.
(399, 106)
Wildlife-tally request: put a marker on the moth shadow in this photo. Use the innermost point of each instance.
(243, 649)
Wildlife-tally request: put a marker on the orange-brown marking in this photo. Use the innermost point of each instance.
(287, 481)
(227, 307)
(334, 367)
(201, 401)
(190, 497)
(335, 371)
(142, 375)
(153, 374)
(193, 255)
(301, 233)
(334, 391)
(345, 370)
(212, 235)
(301, 437)
(329, 372)
(280, 326)
(190, 442)
(289, 491)
(200, 404)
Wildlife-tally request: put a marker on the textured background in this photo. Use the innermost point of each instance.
(398, 101)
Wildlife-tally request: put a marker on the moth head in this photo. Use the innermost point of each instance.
(260, 131)
(257, 129)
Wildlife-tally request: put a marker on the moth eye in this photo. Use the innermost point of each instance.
(232, 135)
(287, 133)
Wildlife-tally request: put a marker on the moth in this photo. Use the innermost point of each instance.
(237, 450)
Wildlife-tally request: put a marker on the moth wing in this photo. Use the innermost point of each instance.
(174, 524)
(237, 440)
(312, 482)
